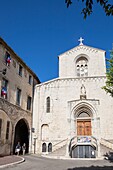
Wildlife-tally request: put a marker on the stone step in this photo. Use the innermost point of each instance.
(105, 151)
(59, 152)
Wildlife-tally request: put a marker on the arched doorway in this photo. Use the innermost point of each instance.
(21, 135)
(81, 145)
(44, 147)
(84, 124)
(50, 147)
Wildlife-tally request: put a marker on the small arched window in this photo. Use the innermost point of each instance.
(48, 105)
(44, 147)
(45, 132)
(82, 67)
(50, 147)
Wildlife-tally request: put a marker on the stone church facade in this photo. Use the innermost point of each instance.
(73, 111)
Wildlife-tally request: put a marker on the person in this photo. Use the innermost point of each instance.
(18, 148)
(24, 148)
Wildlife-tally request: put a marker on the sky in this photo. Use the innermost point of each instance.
(40, 30)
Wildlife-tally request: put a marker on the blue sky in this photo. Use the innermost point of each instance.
(40, 30)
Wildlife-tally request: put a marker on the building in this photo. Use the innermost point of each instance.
(17, 83)
(73, 111)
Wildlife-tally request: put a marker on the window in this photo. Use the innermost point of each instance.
(28, 103)
(48, 105)
(82, 67)
(45, 132)
(4, 88)
(18, 96)
(7, 130)
(50, 147)
(44, 147)
(30, 79)
(20, 70)
(0, 127)
(7, 59)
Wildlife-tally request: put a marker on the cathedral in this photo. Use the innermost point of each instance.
(73, 111)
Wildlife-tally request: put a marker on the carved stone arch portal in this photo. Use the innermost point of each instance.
(21, 134)
(83, 107)
(82, 115)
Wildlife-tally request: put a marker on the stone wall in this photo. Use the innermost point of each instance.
(11, 113)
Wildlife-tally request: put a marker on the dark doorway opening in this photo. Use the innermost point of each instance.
(50, 147)
(44, 147)
(21, 135)
(83, 151)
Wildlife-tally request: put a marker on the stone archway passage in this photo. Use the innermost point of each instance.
(21, 135)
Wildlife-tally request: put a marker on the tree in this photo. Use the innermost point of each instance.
(109, 83)
(88, 9)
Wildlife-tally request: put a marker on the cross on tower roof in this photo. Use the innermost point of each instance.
(81, 39)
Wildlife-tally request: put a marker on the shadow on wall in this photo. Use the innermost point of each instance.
(93, 168)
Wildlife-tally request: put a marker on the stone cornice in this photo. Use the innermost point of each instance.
(84, 100)
(50, 82)
(81, 47)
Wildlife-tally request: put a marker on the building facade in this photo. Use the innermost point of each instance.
(17, 83)
(73, 111)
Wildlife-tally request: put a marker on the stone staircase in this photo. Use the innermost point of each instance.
(59, 152)
(107, 143)
(106, 148)
(59, 145)
(59, 149)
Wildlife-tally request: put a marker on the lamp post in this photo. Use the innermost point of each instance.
(35, 138)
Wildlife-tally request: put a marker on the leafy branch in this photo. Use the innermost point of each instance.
(88, 9)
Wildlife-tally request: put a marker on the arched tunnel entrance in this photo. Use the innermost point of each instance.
(21, 135)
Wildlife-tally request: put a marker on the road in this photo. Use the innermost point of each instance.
(40, 163)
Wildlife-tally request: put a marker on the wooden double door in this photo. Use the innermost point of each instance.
(84, 128)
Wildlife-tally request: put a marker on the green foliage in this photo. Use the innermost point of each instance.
(88, 9)
(109, 83)
(68, 2)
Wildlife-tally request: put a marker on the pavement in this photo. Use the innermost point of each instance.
(10, 160)
(7, 161)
